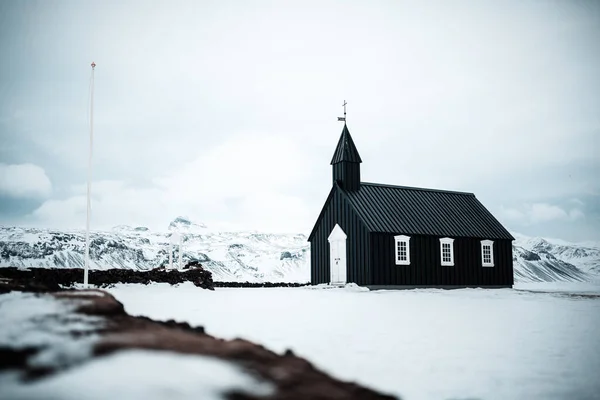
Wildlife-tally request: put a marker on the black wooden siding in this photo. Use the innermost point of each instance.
(347, 175)
(339, 211)
(425, 263)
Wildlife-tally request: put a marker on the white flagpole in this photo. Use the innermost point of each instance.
(173, 240)
(180, 251)
(89, 186)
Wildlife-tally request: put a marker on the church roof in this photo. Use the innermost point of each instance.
(418, 211)
(345, 150)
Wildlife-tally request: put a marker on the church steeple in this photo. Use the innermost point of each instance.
(346, 162)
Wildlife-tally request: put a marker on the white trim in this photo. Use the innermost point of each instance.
(450, 242)
(489, 243)
(336, 234)
(406, 240)
(337, 256)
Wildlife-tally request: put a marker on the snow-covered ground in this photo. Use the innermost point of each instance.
(31, 321)
(66, 340)
(536, 341)
(138, 374)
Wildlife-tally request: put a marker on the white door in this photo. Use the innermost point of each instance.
(337, 254)
(334, 263)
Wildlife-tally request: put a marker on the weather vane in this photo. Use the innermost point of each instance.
(344, 117)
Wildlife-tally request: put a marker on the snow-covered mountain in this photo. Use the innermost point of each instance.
(250, 256)
(530, 266)
(584, 256)
(184, 225)
(230, 256)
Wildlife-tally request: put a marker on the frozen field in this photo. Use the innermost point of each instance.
(541, 341)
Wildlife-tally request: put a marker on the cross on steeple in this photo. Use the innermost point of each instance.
(344, 117)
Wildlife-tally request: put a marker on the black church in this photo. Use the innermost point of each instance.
(382, 236)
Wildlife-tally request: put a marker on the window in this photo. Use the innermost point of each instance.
(447, 251)
(487, 253)
(402, 249)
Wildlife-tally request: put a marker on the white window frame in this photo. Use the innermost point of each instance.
(449, 241)
(397, 240)
(491, 244)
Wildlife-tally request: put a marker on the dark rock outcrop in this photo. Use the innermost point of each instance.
(45, 279)
(39, 279)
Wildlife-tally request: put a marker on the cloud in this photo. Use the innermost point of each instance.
(512, 214)
(113, 203)
(537, 213)
(275, 212)
(575, 214)
(246, 183)
(542, 212)
(251, 180)
(62, 213)
(243, 164)
(577, 202)
(24, 181)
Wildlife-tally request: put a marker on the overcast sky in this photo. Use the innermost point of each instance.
(226, 111)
